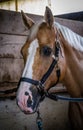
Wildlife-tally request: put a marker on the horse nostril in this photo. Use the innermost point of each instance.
(26, 93)
(29, 102)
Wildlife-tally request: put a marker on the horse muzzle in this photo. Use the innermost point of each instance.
(28, 101)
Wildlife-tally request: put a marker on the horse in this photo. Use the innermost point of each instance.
(52, 54)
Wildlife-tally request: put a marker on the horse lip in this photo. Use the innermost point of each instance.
(34, 110)
(28, 113)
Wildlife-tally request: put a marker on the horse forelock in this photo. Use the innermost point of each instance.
(34, 30)
(44, 30)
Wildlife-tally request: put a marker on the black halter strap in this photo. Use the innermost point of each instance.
(40, 84)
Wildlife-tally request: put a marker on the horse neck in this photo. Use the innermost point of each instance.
(73, 79)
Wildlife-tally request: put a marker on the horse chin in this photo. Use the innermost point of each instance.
(32, 111)
(28, 113)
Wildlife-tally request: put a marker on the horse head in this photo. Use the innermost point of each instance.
(39, 52)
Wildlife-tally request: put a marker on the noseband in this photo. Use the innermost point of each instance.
(40, 84)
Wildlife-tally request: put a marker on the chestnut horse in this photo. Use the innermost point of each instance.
(49, 42)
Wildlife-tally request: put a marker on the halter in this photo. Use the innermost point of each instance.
(40, 84)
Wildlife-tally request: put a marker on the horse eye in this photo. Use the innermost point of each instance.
(46, 51)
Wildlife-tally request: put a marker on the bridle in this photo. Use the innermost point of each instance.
(40, 84)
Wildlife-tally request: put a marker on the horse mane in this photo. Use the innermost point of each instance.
(73, 38)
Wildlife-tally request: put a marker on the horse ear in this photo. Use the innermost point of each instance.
(49, 17)
(27, 21)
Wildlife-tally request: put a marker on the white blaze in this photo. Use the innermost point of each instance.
(30, 59)
(28, 72)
